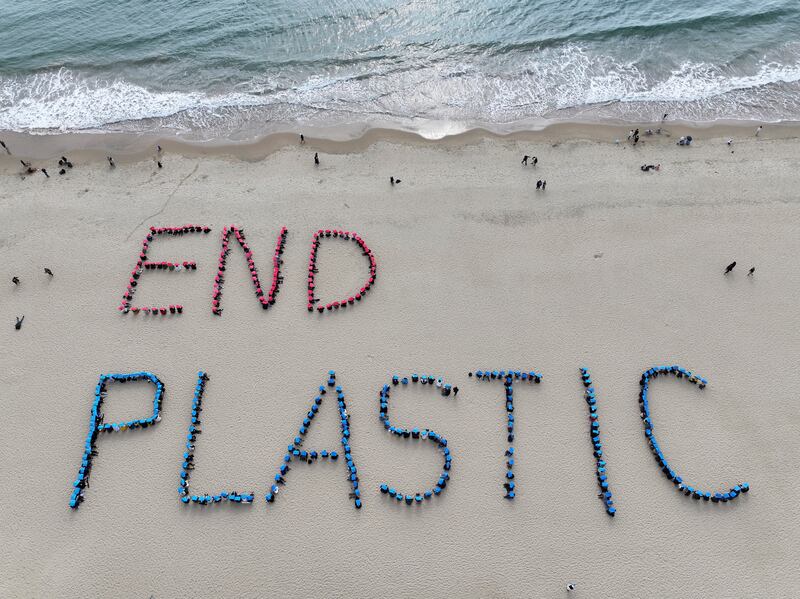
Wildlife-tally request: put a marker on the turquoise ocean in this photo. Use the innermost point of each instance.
(242, 68)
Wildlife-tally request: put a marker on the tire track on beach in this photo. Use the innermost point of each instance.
(166, 202)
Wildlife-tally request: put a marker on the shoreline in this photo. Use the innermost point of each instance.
(133, 147)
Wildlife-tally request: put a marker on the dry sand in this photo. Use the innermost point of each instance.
(609, 268)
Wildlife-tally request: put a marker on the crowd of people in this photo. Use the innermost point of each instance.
(97, 426)
(594, 433)
(142, 263)
(188, 457)
(688, 490)
(416, 433)
(295, 449)
(508, 379)
(277, 279)
(186, 264)
(312, 270)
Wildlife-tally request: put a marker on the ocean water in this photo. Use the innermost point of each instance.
(241, 68)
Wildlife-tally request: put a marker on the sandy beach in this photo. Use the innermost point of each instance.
(610, 268)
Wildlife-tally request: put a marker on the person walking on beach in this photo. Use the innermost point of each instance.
(15, 280)
(664, 118)
(111, 162)
(5, 147)
(534, 161)
(760, 128)
(44, 171)
(730, 267)
(391, 180)
(18, 324)
(751, 271)
(302, 139)
(539, 184)
(316, 158)
(525, 160)
(544, 184)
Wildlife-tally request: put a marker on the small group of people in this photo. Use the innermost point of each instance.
(685, 140)
(64, 163)
(15, 280)
(594, 433)
(646, 168)
(312, 270)
(508, 379)
(534, 160)
(688, 490)
(265, 300)
(541, 185)
(97, 426)
(732, 265)
(427, 380)
(295, 449)
(142, 264)
(416, 433)
(633, 136)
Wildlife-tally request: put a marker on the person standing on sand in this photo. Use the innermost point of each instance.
(751, 271)
(525, 160)
(759, 130)
(544, 184)
(110, 161)
(730, 267)
(18, 324)
(316, 158)
(539, 184)
(302, 139)
(535, 161)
